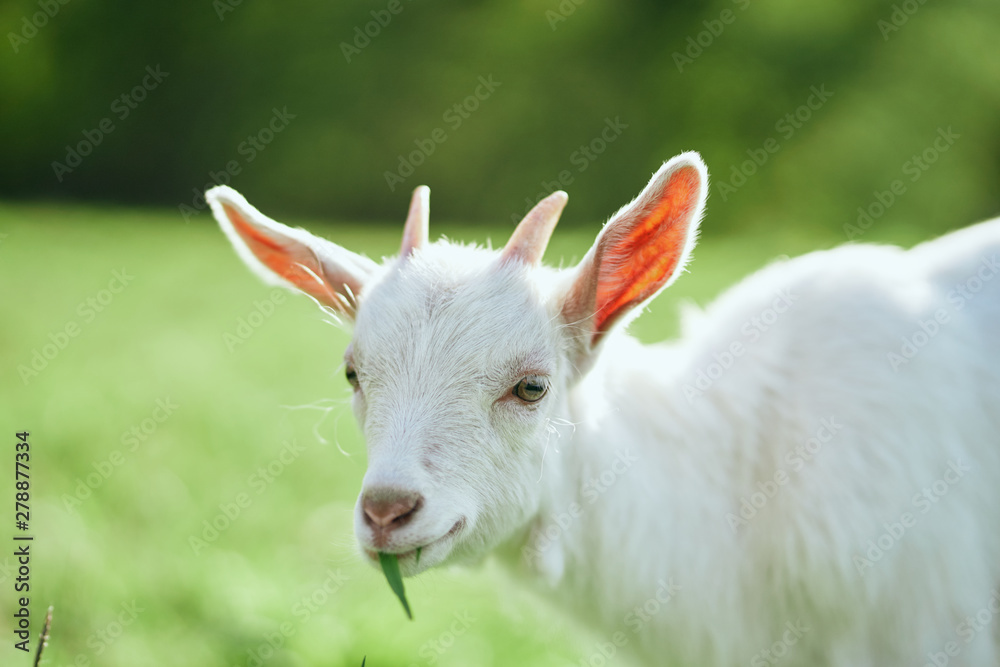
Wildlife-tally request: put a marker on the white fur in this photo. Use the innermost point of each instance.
(682, 433)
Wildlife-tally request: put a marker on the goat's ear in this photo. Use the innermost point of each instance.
(641, 250)
(290, 257)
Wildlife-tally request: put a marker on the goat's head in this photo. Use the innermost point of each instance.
(461, 356)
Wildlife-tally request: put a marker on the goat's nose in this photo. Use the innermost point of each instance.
(387, 509)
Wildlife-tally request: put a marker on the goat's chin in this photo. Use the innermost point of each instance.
(434, 552)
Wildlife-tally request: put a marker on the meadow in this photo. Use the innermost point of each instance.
(195, 462)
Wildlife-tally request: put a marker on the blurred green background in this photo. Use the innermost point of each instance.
(154, 399)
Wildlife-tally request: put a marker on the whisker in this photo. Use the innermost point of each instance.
(325, 406)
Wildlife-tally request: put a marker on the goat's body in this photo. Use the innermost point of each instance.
(838, 537)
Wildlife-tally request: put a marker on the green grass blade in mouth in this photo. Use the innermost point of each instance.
(390, 566)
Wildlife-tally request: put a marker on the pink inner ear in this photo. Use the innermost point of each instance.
(634, 265)
(280, 259)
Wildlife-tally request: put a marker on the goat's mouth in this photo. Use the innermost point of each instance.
(408, 558)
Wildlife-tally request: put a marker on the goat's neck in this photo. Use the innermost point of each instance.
(636, 483)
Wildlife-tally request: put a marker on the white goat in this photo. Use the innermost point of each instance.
(810, 475)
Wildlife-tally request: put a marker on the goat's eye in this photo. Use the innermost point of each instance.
(531, 388)
(352, 376)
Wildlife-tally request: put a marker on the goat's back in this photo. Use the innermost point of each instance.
(866, 380)
(876, 391)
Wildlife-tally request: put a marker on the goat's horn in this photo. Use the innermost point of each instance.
(528, 241)
(415, 231)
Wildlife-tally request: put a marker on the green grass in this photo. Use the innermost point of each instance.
(124, 554)
(390, 567)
